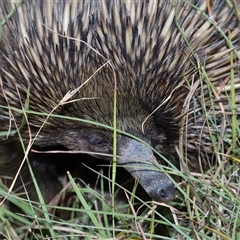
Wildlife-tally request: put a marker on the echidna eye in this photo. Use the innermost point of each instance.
(99, 141)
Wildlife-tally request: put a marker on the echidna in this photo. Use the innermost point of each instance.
(149, 52)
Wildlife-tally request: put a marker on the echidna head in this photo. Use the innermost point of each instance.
(135, 156)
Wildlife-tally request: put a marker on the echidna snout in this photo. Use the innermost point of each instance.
(141, 166)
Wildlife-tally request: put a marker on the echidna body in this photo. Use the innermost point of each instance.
(146, 51)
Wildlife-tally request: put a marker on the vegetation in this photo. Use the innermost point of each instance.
(207, 204)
